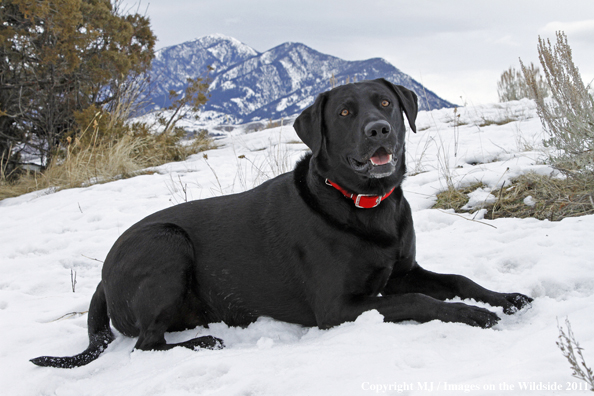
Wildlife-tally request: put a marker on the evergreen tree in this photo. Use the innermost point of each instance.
(58, 59)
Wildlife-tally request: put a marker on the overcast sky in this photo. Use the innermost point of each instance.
(456, 48)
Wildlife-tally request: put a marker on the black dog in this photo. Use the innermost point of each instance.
(294, 248)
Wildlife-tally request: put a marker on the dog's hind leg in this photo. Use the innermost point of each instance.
(161, 290)
(153, 339)
(164, 311)
(100, 336)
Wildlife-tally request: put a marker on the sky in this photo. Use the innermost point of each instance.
(456, 48)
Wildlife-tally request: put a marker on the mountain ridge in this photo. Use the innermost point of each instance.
(248, 85)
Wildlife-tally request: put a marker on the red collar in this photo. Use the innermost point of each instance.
(363, 201)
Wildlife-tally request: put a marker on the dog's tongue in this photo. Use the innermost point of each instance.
(380, 157)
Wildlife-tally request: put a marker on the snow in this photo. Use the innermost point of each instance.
(478, 198)
(46, 235)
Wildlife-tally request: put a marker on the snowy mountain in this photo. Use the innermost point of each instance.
(248, 85)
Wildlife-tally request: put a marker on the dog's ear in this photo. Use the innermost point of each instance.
(310, 124)
(408, 102)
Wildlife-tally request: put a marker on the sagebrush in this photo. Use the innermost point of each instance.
(513, 84)
(568, 117)
(572, 352)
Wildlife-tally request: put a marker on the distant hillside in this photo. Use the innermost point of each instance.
(249, 86)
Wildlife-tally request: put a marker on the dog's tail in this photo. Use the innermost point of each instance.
(100, 336)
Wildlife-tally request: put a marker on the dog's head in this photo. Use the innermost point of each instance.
(356, 133)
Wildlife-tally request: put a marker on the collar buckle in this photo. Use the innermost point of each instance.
(368, 203)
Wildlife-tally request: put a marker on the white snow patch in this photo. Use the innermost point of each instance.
(529, 201)
(479, 197)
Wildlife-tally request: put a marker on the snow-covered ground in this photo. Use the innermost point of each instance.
(47, 236)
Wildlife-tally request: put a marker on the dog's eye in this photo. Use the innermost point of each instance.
(385, 103)
(344, 113)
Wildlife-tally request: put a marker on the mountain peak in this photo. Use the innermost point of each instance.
(211, 41)
(218, 39)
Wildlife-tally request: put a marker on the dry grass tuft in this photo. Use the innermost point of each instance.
(501, 121)
(543, 197)
(530, 195)
(455, 198)
(101, 159)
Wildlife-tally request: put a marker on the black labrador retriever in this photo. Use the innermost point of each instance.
(317, 246)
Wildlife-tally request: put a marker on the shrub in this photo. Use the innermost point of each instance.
(573, 353)
(513, 85)
(568, 117)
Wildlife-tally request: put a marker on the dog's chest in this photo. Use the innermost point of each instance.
(366, 269)
(372, 278)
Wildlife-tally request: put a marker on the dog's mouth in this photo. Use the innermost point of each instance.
(380, 163)
(380, 157)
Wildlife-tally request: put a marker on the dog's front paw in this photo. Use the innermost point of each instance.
(469, 314)
(513, 302)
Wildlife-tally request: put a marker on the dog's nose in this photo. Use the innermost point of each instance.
(378, 129)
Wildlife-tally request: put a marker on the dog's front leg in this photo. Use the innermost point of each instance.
(413, 306)
(443, 287)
